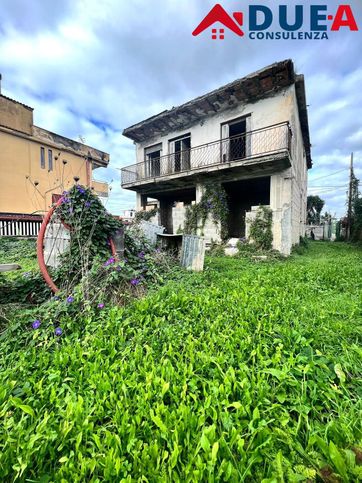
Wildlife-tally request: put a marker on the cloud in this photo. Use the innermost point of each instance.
(93, 68)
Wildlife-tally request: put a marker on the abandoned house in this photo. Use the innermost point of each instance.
(250, 136)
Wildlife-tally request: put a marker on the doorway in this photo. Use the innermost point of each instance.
(242, 195)
(235, 144)
(179, 148)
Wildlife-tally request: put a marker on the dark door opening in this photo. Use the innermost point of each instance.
(153, 160)
(237, 132)
(242, 195)
(154, 163)
(182, 153)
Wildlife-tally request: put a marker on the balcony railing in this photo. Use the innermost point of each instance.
(271, 140)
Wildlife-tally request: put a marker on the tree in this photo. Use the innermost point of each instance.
(314, 207)
(357, 220)
(356, 210)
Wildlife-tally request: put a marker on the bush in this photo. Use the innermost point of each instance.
(89, 277)
(145, 215)
(216, 249)
(261, 228)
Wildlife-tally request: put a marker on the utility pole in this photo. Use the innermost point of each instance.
(350, 194)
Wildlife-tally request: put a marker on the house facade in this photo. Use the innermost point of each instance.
(36, 166)
(251, 136)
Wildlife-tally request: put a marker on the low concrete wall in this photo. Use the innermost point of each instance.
(322, 232)
(281, 227)
(211, 231)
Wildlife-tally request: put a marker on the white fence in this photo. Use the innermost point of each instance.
(56, 241)
(29, 228)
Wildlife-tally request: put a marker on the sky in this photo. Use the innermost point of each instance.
(91, 68)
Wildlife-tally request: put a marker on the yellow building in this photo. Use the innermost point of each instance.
(36, 165)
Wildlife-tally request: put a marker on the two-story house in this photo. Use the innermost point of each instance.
(36, 166)
(252, 136)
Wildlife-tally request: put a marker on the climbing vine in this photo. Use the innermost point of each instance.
(261, 228)
(145, 215)
(214, 202)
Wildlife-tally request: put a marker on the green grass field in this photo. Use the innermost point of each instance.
(245, 372)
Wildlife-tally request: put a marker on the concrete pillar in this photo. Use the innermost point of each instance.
(141, 201)
(280, 203)
(166, 214)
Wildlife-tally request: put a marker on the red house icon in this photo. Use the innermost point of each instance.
(218, 14)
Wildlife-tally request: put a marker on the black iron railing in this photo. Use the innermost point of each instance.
(253, 144)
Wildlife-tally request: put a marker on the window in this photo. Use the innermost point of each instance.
(50, 160)
(152, 160)
(180, 148)
(42, 158)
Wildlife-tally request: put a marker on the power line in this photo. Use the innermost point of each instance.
(329, 186)
(322, 188)
(332, 174)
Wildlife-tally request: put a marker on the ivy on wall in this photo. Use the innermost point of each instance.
(261, 228)
(214, 202)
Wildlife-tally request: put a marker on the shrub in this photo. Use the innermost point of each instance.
(216, 249)
(145, 215)
(261, 228)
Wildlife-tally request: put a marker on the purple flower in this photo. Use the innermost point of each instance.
(87, 204)
(80, 189)
(36, 324)
(70, 211)
(58, 331)
(118, 268)
(141, 255)
(100, 305)
(135, 281)
(70, 299)
(109, 262)
(209, 204)
(26, 274)
(55, 297)
(125, 260)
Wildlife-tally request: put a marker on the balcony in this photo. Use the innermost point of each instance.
(262, 149)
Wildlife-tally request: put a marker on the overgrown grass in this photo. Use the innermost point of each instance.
(21, 251)
(246, 372)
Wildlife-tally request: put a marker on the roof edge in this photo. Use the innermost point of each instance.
(303, 116)
(261, 73)
(17, 102)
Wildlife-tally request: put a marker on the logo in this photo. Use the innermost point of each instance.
(218, 14)
(287, 22)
